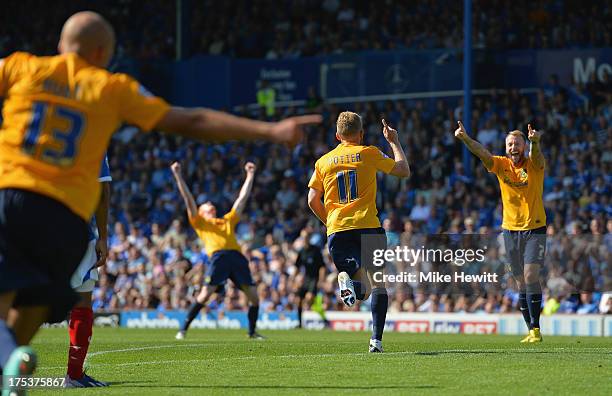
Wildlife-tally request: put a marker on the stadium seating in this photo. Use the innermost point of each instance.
(292, 29)
(157, 262)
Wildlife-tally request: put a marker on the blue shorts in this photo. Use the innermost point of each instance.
(230, 264)
(525, 247)
(42, 243)
(353, 248)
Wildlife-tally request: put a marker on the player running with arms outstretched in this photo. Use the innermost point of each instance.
(521, 181)
(59, 114)
(343, 196)
(226, 260)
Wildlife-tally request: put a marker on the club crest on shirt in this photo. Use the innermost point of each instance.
(513, 179)
(523, 180)
(520, 183)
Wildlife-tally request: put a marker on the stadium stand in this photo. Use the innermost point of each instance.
(311, 27)
(157, 262)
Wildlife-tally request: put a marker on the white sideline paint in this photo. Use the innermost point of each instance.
(318, 356)
(181, 345)
(143, 349)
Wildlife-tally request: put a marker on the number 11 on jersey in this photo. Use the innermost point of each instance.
(347, 186)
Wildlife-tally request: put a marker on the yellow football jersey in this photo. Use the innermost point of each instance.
(217, 234)
(521, 192)
(347, 177)
(59, 114)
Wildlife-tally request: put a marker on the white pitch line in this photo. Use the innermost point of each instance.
(154, 362)
(142, 349)
(316, 356)
(98, 353)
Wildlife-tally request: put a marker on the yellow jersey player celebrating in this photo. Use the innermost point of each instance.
(59, 114)
(521, 181)
(226, 260)
(343, 196)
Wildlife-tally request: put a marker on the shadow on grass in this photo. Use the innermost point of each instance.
(131, 383)
(436, 353)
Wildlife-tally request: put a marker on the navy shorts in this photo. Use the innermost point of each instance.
(42, 243)
(349, 253)
(525, 247)
(230, 264)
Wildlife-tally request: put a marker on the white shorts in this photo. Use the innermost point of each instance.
(86, 275)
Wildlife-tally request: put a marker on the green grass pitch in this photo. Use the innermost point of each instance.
(151, 362)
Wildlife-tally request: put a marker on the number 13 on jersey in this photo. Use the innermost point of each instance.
(60, 146)
(347, 186)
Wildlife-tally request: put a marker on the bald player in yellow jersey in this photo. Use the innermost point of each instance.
(521, 181)
(225, 259)
(59, 113)
(343, 196)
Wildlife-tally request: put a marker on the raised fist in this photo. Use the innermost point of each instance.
(250, 167)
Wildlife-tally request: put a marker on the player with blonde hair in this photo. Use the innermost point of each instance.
(521, 181)
(343, 196)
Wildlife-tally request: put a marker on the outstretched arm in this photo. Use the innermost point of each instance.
(205, 124)
(245, 191)
(476, 148)
(535, 152)
(401, 167)
(192, 209)
(316, 204)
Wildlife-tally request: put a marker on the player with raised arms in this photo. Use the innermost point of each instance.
(226, 260)
(521, 181)
(59, 114)
(343, 196)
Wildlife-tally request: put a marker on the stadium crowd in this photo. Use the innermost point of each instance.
(147, 30)
(157, 262)
(144, 29)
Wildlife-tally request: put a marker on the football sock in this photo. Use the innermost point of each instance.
(194, 310)
(80, 330)
(534, 301)
(299, 312)
(359, 290)
(7, 343)
(524, 308)
(380, 303)
(253, 314)
(318, 307)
